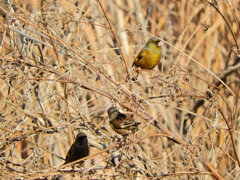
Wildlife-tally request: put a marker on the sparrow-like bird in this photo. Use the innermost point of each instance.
(122, 123)
(79, 148)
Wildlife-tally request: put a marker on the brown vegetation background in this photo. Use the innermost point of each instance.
(65, 62)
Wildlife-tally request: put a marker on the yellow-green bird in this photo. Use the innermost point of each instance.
(123, 124)
(150, 55)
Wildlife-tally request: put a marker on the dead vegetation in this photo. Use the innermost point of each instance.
(65, 62)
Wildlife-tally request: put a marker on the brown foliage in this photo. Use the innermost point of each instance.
(64, 63)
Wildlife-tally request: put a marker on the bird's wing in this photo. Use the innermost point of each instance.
(139, 56)
(69, 154)
(123, 121)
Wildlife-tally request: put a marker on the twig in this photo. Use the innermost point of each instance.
(213, 170)
(231, 132)
(117, 41)
(225, 22)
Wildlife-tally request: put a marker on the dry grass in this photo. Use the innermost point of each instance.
(63, 66)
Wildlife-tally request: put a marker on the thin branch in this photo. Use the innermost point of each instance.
(116, 38)
(225, 22)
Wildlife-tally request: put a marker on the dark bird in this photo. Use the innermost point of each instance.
(79, 148)
(122, 123)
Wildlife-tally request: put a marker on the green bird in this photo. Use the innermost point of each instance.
(150, 56)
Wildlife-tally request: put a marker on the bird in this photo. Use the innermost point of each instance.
(79, 148)
(150, 56)
(122, 123)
